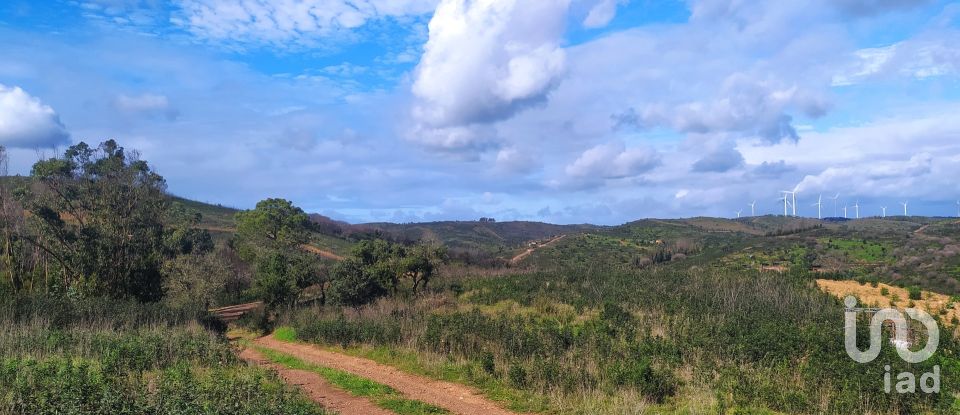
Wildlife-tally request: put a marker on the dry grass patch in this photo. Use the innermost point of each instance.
(933, 303)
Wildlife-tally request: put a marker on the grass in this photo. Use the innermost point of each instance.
(867, 251)
(382, 395)
(106, 357)
(285, 333)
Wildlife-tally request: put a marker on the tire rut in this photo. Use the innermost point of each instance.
(456, 398)
(317, 388)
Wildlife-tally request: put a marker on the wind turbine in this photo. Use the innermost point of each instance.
(958, 208)
(793, 203)
(819, 204)
(739, 212)
(835, 204)
(845, 212)
(754, 203)
(905, 207)
(856, 206)
(884, 211)
(786, 201)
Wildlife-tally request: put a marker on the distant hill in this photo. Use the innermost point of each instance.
(489, 237)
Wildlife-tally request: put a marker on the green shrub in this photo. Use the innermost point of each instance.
(518, 376)
(914, 292)
(487, 363)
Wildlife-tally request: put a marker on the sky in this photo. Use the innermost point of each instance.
(564, 111)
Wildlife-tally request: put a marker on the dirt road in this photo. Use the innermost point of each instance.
(529, 251)
(456, 398)
(322, 252)
(318, 389)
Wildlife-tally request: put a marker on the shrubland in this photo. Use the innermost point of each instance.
(680, 336)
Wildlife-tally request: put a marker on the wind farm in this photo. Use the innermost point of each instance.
(789, 200)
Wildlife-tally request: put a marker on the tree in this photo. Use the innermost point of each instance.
(273, 224)
(196, 279)
(98, 213)
(380, 259)
(352, 284)
(420, 262)
(270, 237)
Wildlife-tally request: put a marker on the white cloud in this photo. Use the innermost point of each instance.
(466, 141)
(25, 122)
(485, 60)
(147, 104)
(613, 160)
(745, 105)
(513, 160)
(880, 178)
(602, 13)
(285, 22)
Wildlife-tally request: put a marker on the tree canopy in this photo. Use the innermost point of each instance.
(98, 213)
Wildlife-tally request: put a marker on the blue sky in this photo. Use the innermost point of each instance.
(566, 111)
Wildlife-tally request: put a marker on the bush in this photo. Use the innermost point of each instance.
(518, 376)
(914, 292)
(487, 363)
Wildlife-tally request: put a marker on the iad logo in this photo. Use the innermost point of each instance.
(906, 381)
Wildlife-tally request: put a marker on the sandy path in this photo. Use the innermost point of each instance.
(322, 252)
(456, 398)
(529, 251)
(318, 389)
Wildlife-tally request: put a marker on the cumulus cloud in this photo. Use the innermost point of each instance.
(721, 160)
(25, 122)
(613, 160)
(746, 106)
(486, 60)
(771, 170)
(149, 105)
(286, 22)
(464, 141)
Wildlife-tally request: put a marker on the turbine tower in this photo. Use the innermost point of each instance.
(793, 203)
(905, 207)
(819, 205)
(884, 211)
(754, 203)
(835, 204)
(856, 207)
(739, 212)
(845, 212)
(958, 208)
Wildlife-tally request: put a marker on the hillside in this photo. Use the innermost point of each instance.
(486, 237)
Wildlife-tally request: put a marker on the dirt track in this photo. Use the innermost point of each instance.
(529, 251)
(456, 398)
(318, 389)
(322, 252)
